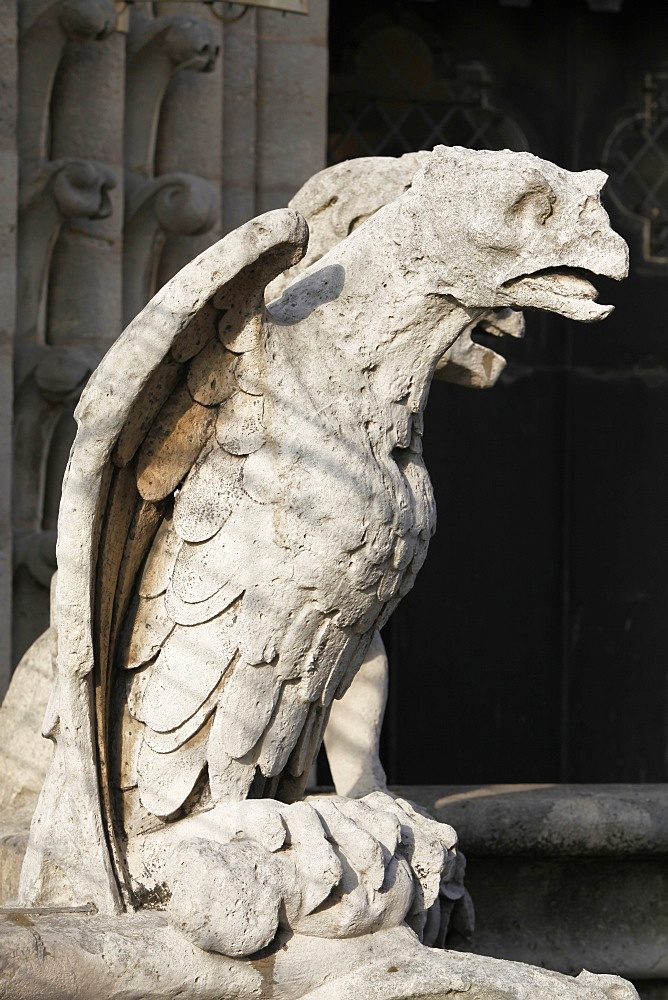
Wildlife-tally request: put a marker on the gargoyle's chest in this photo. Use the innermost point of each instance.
(354, 516)
(374, 530)
(406, 538)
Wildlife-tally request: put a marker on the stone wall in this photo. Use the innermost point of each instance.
(142, 134)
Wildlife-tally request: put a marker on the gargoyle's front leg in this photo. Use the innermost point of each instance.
(352, 736)
(352, 741)
(328, 867)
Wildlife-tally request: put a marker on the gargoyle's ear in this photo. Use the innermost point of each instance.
(593, 180)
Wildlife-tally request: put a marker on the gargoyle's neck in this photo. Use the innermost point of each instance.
(360, 317)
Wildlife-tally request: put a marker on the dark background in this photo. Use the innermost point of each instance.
(534, 645)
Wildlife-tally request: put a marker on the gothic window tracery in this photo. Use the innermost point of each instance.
(397, 93)
(636, 157)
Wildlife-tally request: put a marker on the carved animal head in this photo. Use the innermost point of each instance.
(495, 229)
(338, 200)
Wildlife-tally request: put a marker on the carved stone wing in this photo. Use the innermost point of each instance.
(163, 424)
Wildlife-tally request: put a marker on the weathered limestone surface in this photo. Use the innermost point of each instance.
(241, 514)
(8, 218)
(24, 757)
(140, 957)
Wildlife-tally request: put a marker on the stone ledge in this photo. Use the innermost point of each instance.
(552, 820)
(566, 876)
(48, 956)
(562, 876)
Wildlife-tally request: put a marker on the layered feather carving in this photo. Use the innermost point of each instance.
(270, 560)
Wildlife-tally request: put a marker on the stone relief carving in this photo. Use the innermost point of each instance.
(45, 28)
(245, 505)
(73, 140)
(157, 48)
(50, 196)
(57, 192)
(171, 203)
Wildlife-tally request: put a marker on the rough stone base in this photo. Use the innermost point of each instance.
(86, 957)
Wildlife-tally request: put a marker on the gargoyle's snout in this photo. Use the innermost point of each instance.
(605, 253)
(561, 287)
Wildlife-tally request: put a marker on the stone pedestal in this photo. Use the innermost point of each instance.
(566, 876)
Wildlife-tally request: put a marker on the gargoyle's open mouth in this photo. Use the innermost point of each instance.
(567, 292)
(472, 360)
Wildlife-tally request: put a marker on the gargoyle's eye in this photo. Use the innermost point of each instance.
(537, 205)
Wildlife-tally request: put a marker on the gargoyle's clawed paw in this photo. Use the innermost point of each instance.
(440, 902)
(225, 897)
(330, 867)
(376, 888)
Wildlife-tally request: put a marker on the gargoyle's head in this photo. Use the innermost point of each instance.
(503, 229)
(339, 199)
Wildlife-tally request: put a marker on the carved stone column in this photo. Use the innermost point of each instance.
(87, 122)
(240, 120)
(190, 136)
(292, 73)
(67, 174)
(275, 108)
(163, 197)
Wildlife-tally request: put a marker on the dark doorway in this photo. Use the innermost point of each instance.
(534, 646)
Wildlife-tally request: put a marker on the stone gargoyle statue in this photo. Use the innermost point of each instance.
(245, 505)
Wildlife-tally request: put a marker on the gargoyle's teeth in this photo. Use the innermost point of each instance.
(470, 364)
(503, 323)
(557, 291)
